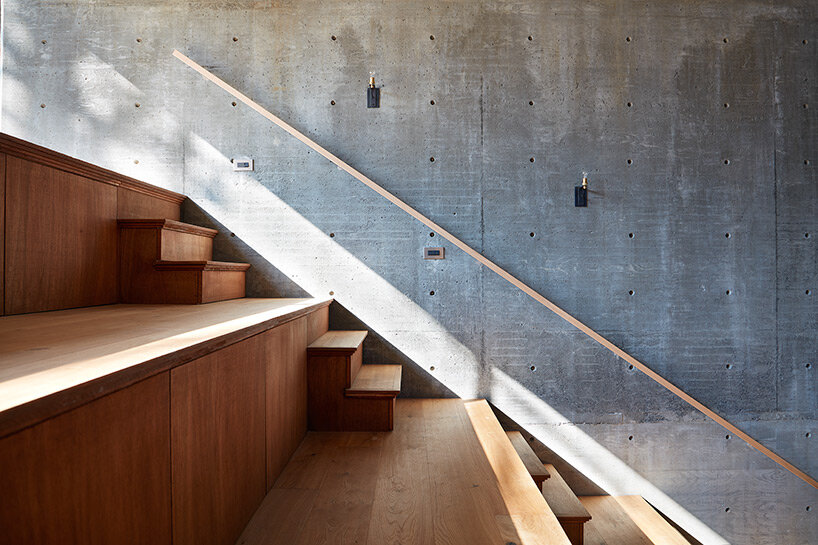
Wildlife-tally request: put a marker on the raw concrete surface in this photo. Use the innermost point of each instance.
(695, 123)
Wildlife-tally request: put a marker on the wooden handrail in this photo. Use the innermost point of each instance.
(505, 275)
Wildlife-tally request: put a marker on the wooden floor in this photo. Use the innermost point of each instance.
(109, 347)
(447, 474)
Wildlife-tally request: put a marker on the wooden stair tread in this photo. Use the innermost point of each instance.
(428, 481)
(200, 266)
(562, 500)
(652, 524)
(376, 380)
(167, 224)
(524, 451)
(519, 493)
(337, 342)
(610, 524)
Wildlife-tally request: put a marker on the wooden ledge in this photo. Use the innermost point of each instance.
(200, 266)
(167, 225)
(44, 156)
(52, 362)
(376, 381)
(526, 453)
(339, 343)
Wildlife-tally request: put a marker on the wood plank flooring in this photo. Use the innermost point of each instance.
(427, 482)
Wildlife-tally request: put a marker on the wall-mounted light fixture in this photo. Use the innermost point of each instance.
(373, 94)
(581, 193)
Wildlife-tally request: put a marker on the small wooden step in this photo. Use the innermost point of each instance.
(652, 524)
(610, 523)
(166, 240)
(376, 381)
(337, 343)
(200, 266)
(526, 454)
(566, 506)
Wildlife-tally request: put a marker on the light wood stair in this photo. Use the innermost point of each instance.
(566, 506)
(627, 520)
(532, 463)
(343, 394)
(167, 261)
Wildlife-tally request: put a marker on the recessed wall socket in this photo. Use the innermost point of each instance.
(434, 253)
(240, 165)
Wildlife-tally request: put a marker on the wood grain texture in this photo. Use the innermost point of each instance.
(519, 493)
(317, 324)
(652, 524)
(338, 342)
(376, 381)
(502, 273)
(145, 279)
(532, 463)
(99, 474)
(2, 231)
(286, 393)
(177, 245)
(37, 154)
(134, 204)
(218, 443)
(610, 523)
(61, 240)
(562, 500)
(280, 518)
(427, 482)
(53, 362)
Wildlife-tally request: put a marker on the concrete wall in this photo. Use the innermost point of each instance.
(695, 123)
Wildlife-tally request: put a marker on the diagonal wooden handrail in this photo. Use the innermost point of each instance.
(505, 275)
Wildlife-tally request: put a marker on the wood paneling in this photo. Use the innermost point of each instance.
(37, 154)
(2, 228)
(218, 443)
(99, 474)
(52, 362)
(317, 324)
(286, 377)
(135, 205)
(61, 240)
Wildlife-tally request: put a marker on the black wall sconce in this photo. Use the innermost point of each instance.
(581, 193)
(373, 94)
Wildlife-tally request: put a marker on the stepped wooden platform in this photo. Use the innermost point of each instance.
(53, 361)
(167, 261)
(447, 473)
(344, 394)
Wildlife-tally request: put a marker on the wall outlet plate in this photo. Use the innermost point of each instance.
(240, 165)
(434, 253)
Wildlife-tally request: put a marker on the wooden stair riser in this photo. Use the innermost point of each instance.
(179, 246)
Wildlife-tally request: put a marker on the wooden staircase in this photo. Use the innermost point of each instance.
(345, 395)
(597, 520)
(167, 261)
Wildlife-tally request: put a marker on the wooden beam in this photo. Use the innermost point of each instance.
(505, 275)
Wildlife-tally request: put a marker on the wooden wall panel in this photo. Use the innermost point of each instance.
(218, 443)
(98, 474)
(286, 393)
(317, 324)
(2, 227)
(133, 205)
(61, 239)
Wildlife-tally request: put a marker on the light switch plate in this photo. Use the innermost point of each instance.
(240, 165)
(434, 253)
